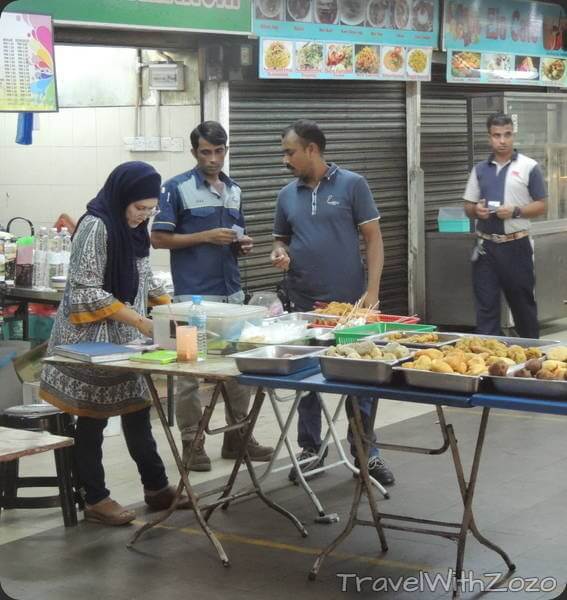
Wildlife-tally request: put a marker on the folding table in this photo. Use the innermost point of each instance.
(456, 531)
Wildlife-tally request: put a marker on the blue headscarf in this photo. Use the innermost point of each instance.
(129, 182)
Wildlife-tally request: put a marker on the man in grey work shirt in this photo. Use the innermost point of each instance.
(316, 240)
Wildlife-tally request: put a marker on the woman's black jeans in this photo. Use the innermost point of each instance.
(141, 446)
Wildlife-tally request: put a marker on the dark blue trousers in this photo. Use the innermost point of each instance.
(507, 268)
(309, 423)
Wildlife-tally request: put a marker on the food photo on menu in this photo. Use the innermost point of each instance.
(466, 64)
(527, 67)
(367, 59)
(299, 10)
(353, 12)
(499, 66)
(269, 9)
(326, 12)
(309, 56)
(378, 14)
(553, 70)
(277, 55)
(401, 14)
(394, 60)
(418, 61)
(422, 13)
(339, 58)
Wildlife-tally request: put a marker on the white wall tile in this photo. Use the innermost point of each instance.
(8, 129)
(107, 159)
(84, 127)
(108, 127)
(61, 128)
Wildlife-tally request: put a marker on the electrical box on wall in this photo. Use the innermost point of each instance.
(167, 76)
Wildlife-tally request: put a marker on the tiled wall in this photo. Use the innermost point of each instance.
(72, 154)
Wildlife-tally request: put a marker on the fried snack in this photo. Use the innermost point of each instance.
(498, 368)
(534, 365)
(533, 353)
(545, 374)
(432, 353)
(423, 363)
(457, 363)
(523, 373)
(440, 366)
(552, 365)
(417, 338)
(557, 353)
(517, 354)
(477, 368)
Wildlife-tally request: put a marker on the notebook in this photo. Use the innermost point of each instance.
(95, 352)
(161, 357)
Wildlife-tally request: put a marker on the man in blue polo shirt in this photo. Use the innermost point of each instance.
(200, 220)
(503, 193)
(319, 217)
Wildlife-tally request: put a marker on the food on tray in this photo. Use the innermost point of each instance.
(378, 13)
(417, 60)
(492, 347)
(326, 11)
(557, 353)
(394, 59)
(367, 60)
(366, 350)
(339, 57)
(422, 15)
(273, 333)
(310, 56)
(401, 14)
(415, 338)
(466, 64)
(339, 309)
(534, 365)
(298, 9)
(449, 361)
(549, 370)
(277, 56)
(553, 69)
(498, 368)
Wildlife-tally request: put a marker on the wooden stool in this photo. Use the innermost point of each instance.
(47, 419)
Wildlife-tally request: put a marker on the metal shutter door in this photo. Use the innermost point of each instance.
(365, 128)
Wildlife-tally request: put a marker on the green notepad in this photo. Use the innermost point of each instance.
(161, 357)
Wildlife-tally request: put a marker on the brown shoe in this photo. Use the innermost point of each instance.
(200, 460)
(108, 512)
(231, 447)
(162, 499)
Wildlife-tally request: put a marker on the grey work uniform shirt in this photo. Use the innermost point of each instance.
(322, 224)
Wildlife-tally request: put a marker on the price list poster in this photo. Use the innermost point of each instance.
(27, 66)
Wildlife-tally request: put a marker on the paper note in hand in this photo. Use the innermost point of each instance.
(239, 231)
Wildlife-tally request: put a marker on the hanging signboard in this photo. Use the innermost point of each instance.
(346, 39)
(27, 66)
(505, 41)
(219, 16)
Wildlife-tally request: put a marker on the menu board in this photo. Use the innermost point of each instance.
(308, 59)
(27, 66)
(346, 39)
(505, 41)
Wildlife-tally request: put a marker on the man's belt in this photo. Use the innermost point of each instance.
(502, 238)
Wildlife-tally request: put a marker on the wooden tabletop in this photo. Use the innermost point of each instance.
(215, 368)
(15, 443)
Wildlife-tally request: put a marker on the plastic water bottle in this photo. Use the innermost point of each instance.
(40, 258)
(198, 319)
(65, 251)
(53, 259)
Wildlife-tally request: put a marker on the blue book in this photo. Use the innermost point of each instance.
(95, 352)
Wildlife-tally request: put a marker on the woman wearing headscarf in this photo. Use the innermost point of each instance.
(109, 286)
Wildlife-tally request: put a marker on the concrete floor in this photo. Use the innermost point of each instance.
(519, 505)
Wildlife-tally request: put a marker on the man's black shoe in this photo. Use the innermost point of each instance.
(313, 464)
(378, 469)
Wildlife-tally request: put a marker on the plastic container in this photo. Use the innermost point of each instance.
(353, 334)
(224, 321)
(453, 219)
(198, 320)
(270, 300)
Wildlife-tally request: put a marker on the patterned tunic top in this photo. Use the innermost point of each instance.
(82, 317)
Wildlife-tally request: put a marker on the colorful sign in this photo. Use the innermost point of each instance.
(223, 16)
(391, 22)
(308, 59)
(467, 66)
(503, 26)
(27, 66)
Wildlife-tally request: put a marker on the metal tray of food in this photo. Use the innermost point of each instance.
(356, 370)
(447, 382)
(513, 341)
(444, 338)
(277, 360)
(553, 389)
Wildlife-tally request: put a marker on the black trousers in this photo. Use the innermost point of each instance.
(507, 268)
(141, 446)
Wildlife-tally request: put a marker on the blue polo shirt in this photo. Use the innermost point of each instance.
(188, 204)
(322, 224)
(517, 183)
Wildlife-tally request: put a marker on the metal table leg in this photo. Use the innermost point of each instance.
(170, 400)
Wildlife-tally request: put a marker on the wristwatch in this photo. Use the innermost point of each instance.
(517, 212)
